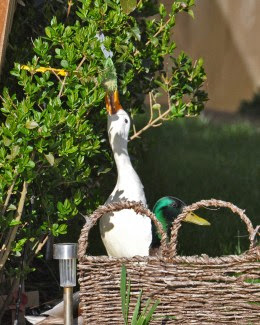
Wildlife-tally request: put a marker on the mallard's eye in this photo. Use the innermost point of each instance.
(174, 205)
(126, 121)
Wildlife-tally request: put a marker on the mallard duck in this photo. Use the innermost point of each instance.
(124, 233)
(166, 210)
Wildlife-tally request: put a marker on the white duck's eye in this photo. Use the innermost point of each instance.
(126, 120)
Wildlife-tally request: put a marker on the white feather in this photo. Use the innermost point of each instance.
(35, 319)
(55, 315)
(124, 233)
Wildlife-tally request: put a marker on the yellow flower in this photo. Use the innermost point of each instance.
(60, 72)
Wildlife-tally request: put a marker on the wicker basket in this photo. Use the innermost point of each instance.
(194, 289)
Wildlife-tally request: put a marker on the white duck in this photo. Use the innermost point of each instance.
(124, 233)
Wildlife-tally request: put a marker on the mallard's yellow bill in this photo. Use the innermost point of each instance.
(112, 103)
(193, 218)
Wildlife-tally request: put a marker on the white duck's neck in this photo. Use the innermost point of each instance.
(126, 175)
(121, 156)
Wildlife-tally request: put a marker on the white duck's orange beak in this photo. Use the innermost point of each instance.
(112, 103)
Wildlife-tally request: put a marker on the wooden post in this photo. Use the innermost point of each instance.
(7, 8)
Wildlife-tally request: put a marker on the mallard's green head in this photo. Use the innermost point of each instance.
(168, 208)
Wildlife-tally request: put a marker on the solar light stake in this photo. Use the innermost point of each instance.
(67, 255)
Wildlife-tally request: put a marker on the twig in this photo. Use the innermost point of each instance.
(6, 248)
(159, 31)
(159, 124)
(151, 107)
(40, 107)
(62, 86)
(57, 76)
(139, 2)
(81, 62)
(9, 193)
(161, 117)
(40, 245)
(70, 3)
(134, 128)
(151, 124)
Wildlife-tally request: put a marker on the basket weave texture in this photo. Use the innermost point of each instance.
(193, 289)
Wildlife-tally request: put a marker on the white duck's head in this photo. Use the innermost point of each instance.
(118, 124)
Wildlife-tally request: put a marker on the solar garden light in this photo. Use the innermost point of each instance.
(67, 254)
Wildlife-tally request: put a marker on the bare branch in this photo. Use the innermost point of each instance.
(57, 76)
(81, 62)
(149, 125)
(62, 86)
(151, 107)
(6, 248)
(158, 32)
(156, 125)
(155, 122)
(9, 193)
(40, 245)
(134, 127)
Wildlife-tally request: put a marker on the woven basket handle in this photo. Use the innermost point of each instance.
(138, 207)
(172, 251)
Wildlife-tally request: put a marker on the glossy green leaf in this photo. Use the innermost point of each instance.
(128, 5)
(14, 152)
(31, 125)
(7, 141)
(50, 158)
(64, 63)
(11, 207)
(14, 222)
(48, 31)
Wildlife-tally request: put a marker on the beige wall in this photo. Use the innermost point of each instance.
(226, 34)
